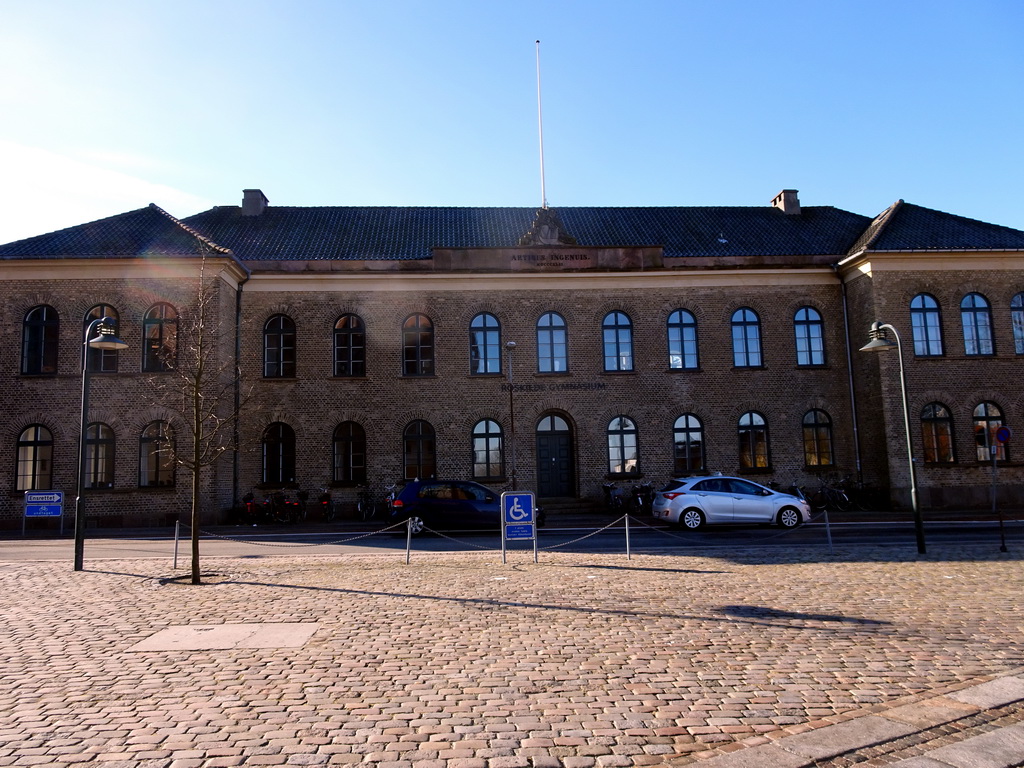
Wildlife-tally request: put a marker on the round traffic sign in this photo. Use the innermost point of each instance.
(1003, 434)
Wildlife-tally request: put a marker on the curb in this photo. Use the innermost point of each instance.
(1003, 747)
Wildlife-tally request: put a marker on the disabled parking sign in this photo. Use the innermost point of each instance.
(518, 516)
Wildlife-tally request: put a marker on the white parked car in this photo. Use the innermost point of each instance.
(691, 502)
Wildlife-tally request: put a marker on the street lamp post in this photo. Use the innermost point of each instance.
(878, 342)
(511, 345)
(105, 329)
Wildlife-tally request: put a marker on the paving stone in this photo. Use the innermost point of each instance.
(411, 665)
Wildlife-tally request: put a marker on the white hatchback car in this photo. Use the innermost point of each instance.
(691, 502)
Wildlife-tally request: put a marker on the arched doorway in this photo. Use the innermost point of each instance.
(556, 471)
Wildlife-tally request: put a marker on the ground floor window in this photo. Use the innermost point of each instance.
(35, 459)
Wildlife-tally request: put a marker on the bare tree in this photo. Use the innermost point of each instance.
(201, 386)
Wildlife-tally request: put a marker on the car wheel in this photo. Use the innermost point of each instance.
(692, 519)
(415, 525)
(789, 517)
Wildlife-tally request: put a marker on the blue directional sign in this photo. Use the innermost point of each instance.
(44, 503)
(518, 516)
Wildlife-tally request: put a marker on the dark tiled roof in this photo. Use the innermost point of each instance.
(148, 231)
(368, 232)
(913, 228)
(382, 232)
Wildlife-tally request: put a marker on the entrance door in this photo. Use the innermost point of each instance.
(555, 471)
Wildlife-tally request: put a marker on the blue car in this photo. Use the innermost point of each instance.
(449, 505)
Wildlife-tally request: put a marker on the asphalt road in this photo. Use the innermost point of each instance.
(239, 541)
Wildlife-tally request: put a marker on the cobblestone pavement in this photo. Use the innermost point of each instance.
(459, 660)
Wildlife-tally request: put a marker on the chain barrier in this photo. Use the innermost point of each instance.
(298, 546)
(585, 536)
(460, 541)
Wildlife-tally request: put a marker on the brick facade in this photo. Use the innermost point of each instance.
(859, 392)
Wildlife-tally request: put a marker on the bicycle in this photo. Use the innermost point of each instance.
(366, 504)
(614, 498)
(642, 497)
(326, 503)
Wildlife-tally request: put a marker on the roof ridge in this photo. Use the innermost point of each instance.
(194, 233)
(875, 229)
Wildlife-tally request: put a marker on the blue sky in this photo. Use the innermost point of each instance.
(112, 104)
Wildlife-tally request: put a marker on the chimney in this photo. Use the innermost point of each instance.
(787, 202)
(254, 202)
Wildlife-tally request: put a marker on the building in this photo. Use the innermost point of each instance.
(549, 350)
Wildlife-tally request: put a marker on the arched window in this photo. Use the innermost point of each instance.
(278, 455)
(682, 340)
(349, 347)
(937, 434)
(100, 360)
(349, 453)
(40, 341)
(987, 419)
(488, 450)
(810, 337)
(926, 324)
(160, 338)
(617, 336)
(817, 439)
(753, 434)
(485, 344)
(976, 317)
(417, 346)
(622, 446)
(35, 459)
(279, 348)
(746, 339)
(688, 441)
(419, 450)
(99, 456)
(552, 344)
(1017, 320)
(156, 455)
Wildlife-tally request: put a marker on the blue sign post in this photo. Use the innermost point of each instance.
(43, 504)
(518, 520)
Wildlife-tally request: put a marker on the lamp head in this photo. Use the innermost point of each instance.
(106, 336)
(878, 339)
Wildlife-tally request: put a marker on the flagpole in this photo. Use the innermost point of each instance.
(540, 131)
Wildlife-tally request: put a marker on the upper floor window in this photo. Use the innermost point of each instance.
(279, 348)
(817, 429)
(926, 325)
(753, 434)
(160, 338)
(349, 453)
(1017, 320)
(617, 336)
(552, 344)
(688, 441)
(99, 456)
(682, 340)
(987, 419)
(937, 434)
(488, 450)
(746, 339)
(156, 455)
(419, 450)
(810, 337)
(35, 459)
(100, 360)
(976, 318)
(349, 347)
(417, 346)
(622, 447)
(40, 337)
(278, 445)
(485, 344)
